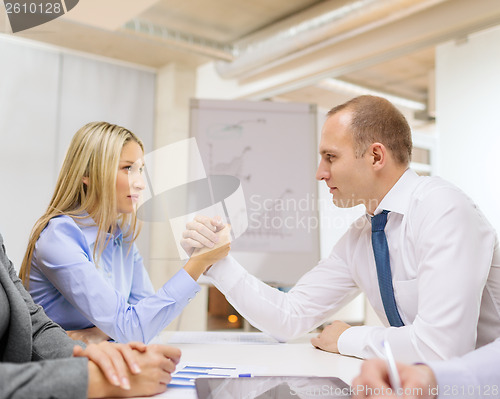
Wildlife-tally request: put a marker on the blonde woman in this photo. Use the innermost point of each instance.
(81, 263)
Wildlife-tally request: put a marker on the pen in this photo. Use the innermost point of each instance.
(393, 371)
(207, 373)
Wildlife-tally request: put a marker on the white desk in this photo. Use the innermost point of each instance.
(298, 357)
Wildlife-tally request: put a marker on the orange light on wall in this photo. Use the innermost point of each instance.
(232, 318)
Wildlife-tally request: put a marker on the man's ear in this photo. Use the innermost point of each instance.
(378, 152)
(85, 180)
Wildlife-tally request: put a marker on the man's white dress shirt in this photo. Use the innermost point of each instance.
(445, 264)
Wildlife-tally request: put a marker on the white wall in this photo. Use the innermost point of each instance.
(28, 144)
(468, 117)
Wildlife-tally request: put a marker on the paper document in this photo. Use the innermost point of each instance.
(183, 379)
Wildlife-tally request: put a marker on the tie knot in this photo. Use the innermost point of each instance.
(379, 221)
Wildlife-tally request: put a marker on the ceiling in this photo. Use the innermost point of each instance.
(288, 49)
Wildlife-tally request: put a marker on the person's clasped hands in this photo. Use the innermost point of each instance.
(133, 367)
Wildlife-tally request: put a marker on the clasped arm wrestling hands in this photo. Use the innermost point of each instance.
(128, 369)
(202, 232)
(199, 234)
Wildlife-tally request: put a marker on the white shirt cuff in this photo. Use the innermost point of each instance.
(352, 341)
(226, 273)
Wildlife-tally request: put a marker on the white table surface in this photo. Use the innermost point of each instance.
(297, 357)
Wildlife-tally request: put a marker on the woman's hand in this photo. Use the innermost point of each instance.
(114, 360)
(198, 264)
(201, 232)
(91, 335)
(206, 240)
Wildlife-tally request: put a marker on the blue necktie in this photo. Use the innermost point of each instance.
(381, 252)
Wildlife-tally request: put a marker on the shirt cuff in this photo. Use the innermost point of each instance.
(226, 273)
(182, 287)
(351, 341)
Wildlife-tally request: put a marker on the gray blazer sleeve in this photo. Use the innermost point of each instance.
(35, 353)
(49, 340)
(59, 378)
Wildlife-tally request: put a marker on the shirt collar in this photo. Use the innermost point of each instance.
(90, 228)
(399, 196)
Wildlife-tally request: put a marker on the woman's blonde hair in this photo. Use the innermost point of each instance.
(94, 154)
